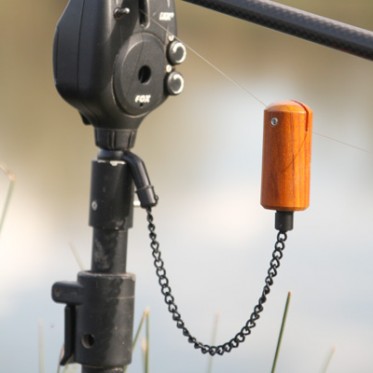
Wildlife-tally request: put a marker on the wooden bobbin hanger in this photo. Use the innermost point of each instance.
(285, 188)
(286, 161)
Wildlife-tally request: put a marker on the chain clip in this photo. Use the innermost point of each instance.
(169, 298)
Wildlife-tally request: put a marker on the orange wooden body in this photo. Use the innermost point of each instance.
(286, 156)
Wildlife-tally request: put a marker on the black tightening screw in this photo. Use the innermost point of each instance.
(119, 13)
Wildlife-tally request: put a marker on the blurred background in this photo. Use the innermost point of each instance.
(203, 153)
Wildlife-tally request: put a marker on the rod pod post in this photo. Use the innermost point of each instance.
(99, 309)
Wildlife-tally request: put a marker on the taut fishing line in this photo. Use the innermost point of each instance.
(249, 92)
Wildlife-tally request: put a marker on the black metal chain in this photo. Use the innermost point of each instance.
(173, 309)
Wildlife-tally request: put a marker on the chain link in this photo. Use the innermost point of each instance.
(173, 309)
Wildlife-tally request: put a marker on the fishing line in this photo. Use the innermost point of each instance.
(225, 75)
(211, 64)
(247, 91)
(343, 143)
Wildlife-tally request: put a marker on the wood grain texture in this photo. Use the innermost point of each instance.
(286, 163)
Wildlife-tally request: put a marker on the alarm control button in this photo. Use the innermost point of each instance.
(174, 83)
(176, 52)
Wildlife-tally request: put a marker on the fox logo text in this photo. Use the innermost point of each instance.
(143, 99)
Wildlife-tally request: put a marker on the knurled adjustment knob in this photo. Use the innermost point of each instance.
(176, 52)
(174, 83)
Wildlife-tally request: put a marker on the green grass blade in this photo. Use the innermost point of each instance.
(41, 347)
(12, 179)
(59, 359)
(139, 328)
(147, 336)
(76, 256)
(214, 335)
(281, 332)
(328, 360)
(144, 348)
(144, 316)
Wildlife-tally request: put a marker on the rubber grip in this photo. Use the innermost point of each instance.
(286, 163)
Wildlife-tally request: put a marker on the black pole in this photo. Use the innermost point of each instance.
(321, 30)
(100, 305)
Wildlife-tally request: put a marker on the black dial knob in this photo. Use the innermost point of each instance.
(176, 52)
(174, 83)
